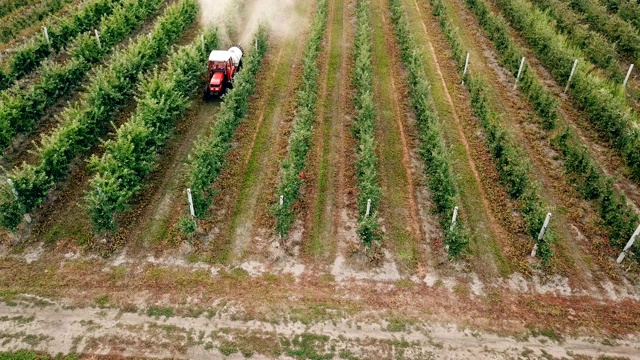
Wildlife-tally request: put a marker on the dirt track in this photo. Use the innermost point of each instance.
(56, 329)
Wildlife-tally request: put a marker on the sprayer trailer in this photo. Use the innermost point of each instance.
(223, 66)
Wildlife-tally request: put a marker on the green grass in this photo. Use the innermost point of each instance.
(32, 355)
(102, 301)
(71, 227)
(310, 346)
(160, 311)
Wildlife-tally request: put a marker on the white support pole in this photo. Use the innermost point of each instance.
(573, 70)
(97, 38)
(545, 225)
(519, 73)
(190, 198)
(202, 40)
(368, 208)
(150, 37)
(454, 218)
(466, 67)
(281, 200)
(256, 45)
(628, 246)
(46, 35)
(13, 188)
(626, 78)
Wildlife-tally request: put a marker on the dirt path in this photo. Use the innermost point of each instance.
(262, 159)
(153, 220)
(53, 328)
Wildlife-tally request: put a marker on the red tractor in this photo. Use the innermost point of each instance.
(223, 66)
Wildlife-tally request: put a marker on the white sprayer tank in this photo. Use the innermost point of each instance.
(236, 55)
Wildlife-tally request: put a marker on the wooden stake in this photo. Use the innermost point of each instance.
(519, 73)
(46, 35)
(573, 69)
(190, 198)
(281, 200)
(368, 208)
(624, 84)
(541, 234)
(454, 218)
(97, 38)
(628, 246)
(466, 66)
(544, 227)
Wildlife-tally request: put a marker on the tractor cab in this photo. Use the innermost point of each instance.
(223, 65)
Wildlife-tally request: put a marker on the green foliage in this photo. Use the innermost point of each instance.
(207, 159)
(433, 151)
(596, 47)
(32, 355)
(131, 155)
(302, 132)
(364, 128)
(511, 162)
(21, 108)
(30, 54)
(84, 122)
(160, 311)
(12, 24)
(510, 54)
(10, 210)
(619, 218)
(8, 6)
(606, 107)
(629, 11)
(186, 225)
(619, 32)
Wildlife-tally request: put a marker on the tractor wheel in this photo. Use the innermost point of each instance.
(206, 95)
